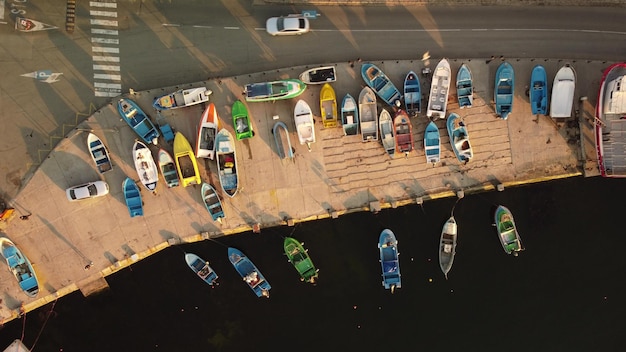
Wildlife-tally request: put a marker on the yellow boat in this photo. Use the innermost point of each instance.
(186, 163)
(328, 106)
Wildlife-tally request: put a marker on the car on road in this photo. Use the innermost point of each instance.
(87, 190)
(287, 25)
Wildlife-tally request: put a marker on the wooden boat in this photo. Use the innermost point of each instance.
(132, 197)
(464, 87)
(99, 153)
(439, 90)
(386, 132)
(299, 257)
(507, 232)
(459, 138)
(503, 91)
(227, 163)
(202, 269)
(145, 166)
(282, 140)
(212, 202)
(167, 166)
(349, 116)
(20, 267)
(390, 265)
(138, 120)
(563, 93)
(276, 90)
(609, 122)
(403, 132)
(186, 163)
(241, 121)
(447, 246)
(380, 83)
(368, 115)
(209, 125)
(305, 127)
(412, 94)
(249, 272)
(432, 143)
(182, 98)
(328, 106)
(538, 90)
(319, 75)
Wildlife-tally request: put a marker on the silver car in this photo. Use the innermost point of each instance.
(87, 190)
(287, 25)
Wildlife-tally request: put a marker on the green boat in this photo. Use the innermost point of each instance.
(299, 257)
(241, 121)
(275, 90)
(507, 231)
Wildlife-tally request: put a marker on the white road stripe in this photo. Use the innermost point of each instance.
(103, 13)
(103, 49)
(107, 76)
(103, 23)
(231, 27)
(105, 41)
(106, 58)
(107, 85)
(104, 31)
(103, 4)
(106, 67)
(107, 94)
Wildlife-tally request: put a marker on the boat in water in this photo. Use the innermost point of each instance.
(390, 265)
(227, 162)
(299, 257)
(349, 116)
(378, 81)
(538, 93)
(328, 106)
(186, 163)
(138, 120)
(182, 98)
(385, 124)
(305, 127)
(241, 121)
(432, 143)
(447, 246)
(212, 202)
(507, 232)
(145, 166)
(167, 165)
(464, 87)
(132, 197)
(459, 138)
(99, 153)
(439, 90)
(282, 140)
(610, 122)
(412, 94)
(403, 132)
(319, 75)
(20, 267)
(563, 90)
(207, 129)
(368, 115)
(503, 91)
(275, 90)
(202, 269)
(249, 272)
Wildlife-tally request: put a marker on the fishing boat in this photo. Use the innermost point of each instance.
(380, 83)
(132, 197)
(276, 90)
(182, 98)
(503, 91)
(459, 138)
(432, 143)
(138, 120)
(507, 232)
(202, 269)
(186, 163)
(368, 115)
(299, 257)
(349, 116)
(282, 140)
(563, 93)
(227, 163)
(538, 90)
(439, 89)
(388, 247)
(209, 125)
(145, 166)
(464, 87)
(241, 121)
(319, 75)
(447, 246)
(249, 272)
(168, 168)
(412, 94)
(212, 202)
(305, 126)
(386, 132)
(403, 132)
(328, 106)
(20, 267)
(610, 124)
(99, 153)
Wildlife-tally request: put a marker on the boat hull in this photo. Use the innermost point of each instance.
(349, 116)
(538, 94)
(241, 121)
(610, 126)
(99, 153)
(303, 117)
(212, 202)
(390, 265)
(504, 89)
(447, 246)
(227, 163)
(275, 90)
(282, 140)
(138, 120)
(145, 166)
(403, 132)
(201, 268)
(459, 138)
(386, 128)
(368, 115)
(507, 231)
(563, 89)
(132, 196)
(182, 98)
(207, 129)
(249, 272)
(464, 87)
(328, 106)
(378, 81)
(439, 90)
(168, 168)
(186, 163)
(432, 143)
(412, 94)
(319, 75)
(299, 257)
(21, 268)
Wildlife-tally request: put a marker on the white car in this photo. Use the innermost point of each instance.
(87, 190)
(287, 25)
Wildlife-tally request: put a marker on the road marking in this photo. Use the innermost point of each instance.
(107, 76)
(107, 85)
(104, 31)
(106, 58)
(231, 27)
(101, 49)
(103, 4)
(96, 22)
(112, 85)
(105, 41)
(103, 13)
(106, 67)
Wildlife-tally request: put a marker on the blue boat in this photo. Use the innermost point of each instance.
(539, 90)
(388, 246)
(503, 90)
(432, 143)
(132, 197)
(250, 274)
(202, 269)
(380, 83)
(412, 94)
(349, 116)
(20, 267)
(282, 140)
(227, 162)
(459, 139)
(464, 87)
(212, 202)
(138, 120)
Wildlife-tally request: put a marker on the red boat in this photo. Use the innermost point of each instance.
(404, 132)
(610, 122)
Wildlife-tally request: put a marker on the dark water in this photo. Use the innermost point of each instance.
(566, 292)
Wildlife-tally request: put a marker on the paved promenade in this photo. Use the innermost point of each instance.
(340, 174)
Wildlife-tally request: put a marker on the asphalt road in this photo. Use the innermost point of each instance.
(163, 43)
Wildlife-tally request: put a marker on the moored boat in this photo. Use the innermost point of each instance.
(390, 265)
(503, 91)
(305, 126)
(145, 166)
(168, 168)
(202, 269)
(328, 106)
(132, 196)
(538, 93)
(464, 87)
(249, 272)
(182, 98)
(412, 94)
(459, 138)
(439, 90)
(99, 153)
(319, 75)
(432, 143)
(241, 121)
(212, 202)
(299, 257)
(138, 120)
(507, 231)
(403, 132)
(610, 122)
(275, 90)
(378, 81)
(227, 162)
(349, 116)
(386, 132)
(186, 163)
(368, 115)
(563, 89)
(20, 267)
(447, 245)
(209, 125)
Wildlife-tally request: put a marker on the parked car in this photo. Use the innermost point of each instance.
(287, 25)
(87, 190)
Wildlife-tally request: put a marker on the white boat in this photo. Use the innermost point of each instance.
(207, 130)
(182, 98)
(439, 89)
(387, 132)
(563, 93)
(305, 126)
(610, 124)
(319, 75)
(368, 115)
(145, 166)
(447, 246)
(99, 153)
